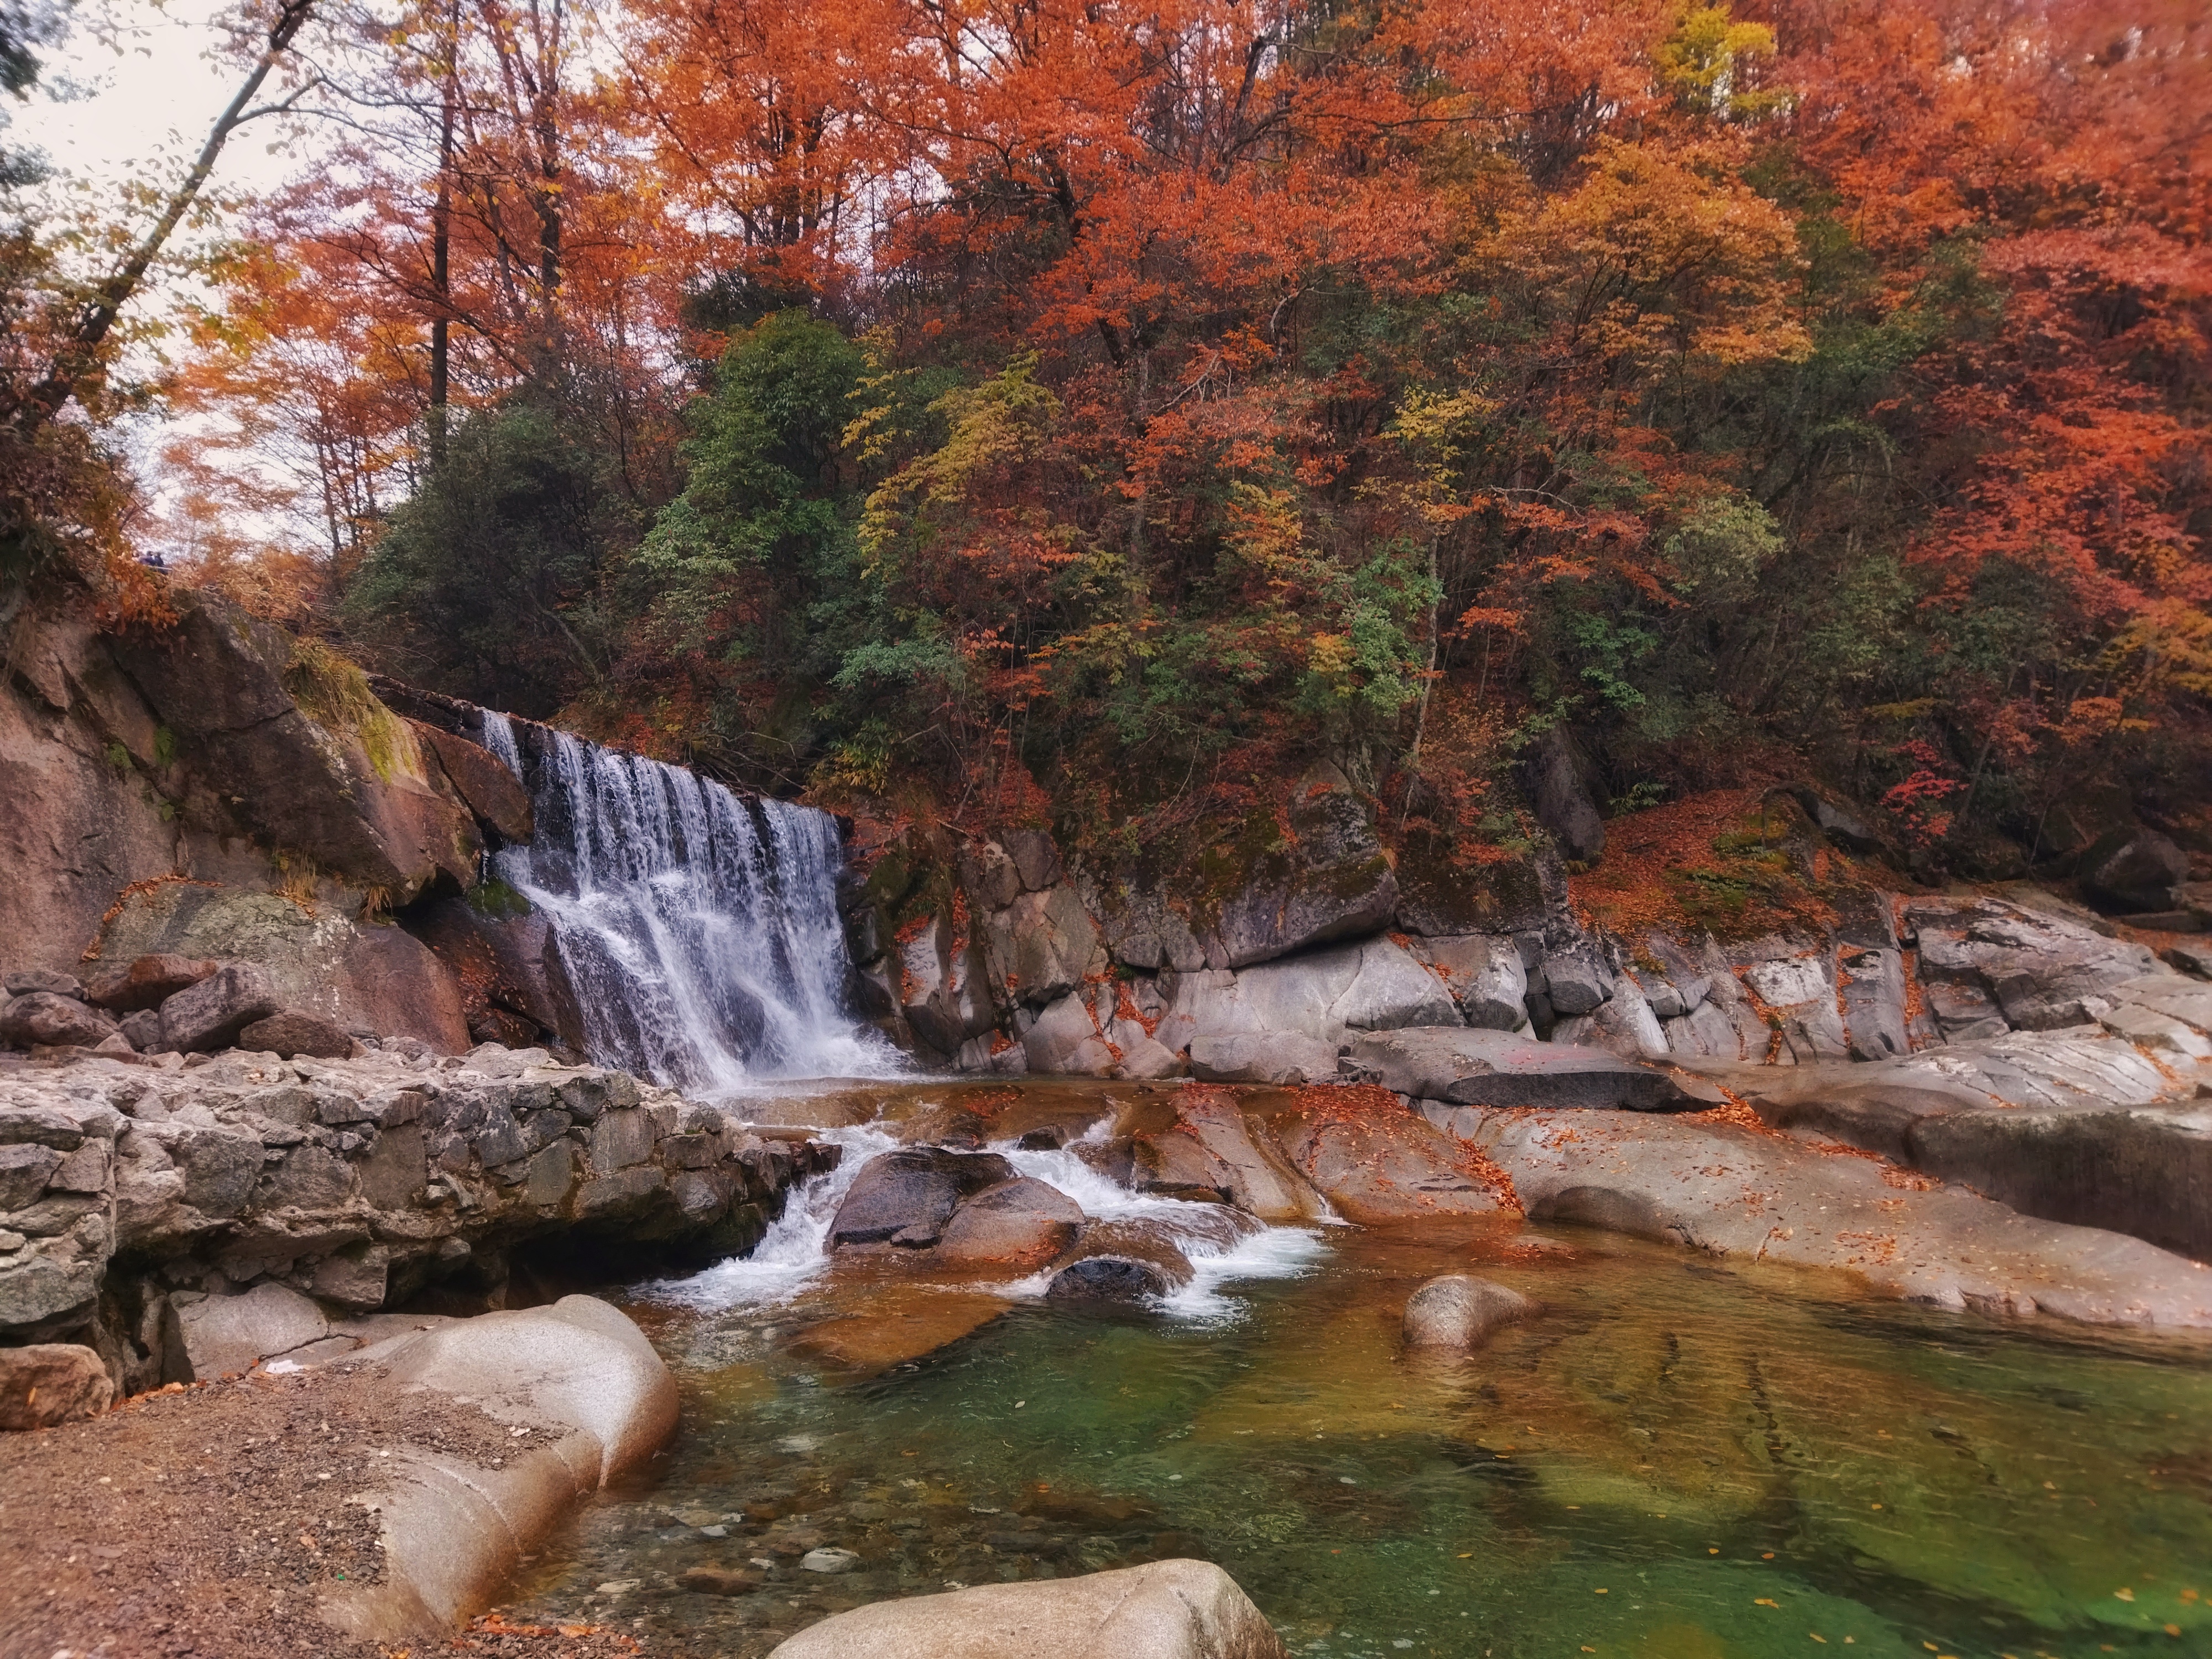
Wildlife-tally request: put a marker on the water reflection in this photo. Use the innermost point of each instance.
(1676, 1459)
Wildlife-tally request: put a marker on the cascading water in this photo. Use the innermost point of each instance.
(700, 930)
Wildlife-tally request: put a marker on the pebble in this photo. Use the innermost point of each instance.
(830, 1560)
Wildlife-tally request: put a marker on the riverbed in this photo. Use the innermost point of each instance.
(1679, 1458)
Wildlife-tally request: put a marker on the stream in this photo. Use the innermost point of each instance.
(1678, 1459)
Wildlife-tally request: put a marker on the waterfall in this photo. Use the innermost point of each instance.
(700, 930)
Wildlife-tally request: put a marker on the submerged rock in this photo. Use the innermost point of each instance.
(1177, 1609)
(1121, 1261)
(1460, 1312)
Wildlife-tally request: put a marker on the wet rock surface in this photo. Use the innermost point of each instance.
(1458, 1312)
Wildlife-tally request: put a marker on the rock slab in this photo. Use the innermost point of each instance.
(1163, 1610)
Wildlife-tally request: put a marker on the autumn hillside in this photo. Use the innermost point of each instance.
(1097, 413)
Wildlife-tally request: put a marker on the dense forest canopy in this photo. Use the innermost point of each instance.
(1068, 407)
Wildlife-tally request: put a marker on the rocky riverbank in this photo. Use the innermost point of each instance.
(187, 1215)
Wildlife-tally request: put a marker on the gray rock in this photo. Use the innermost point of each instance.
(1729, 1192)
(1460, 1312)
(144, 982)
(1492, 1068)
(292, 1033)
(1121, 1261)
(211, 1014)
(44, 1384)
(1068, 1039)
(355, 1279)
(828, 1559)
(1484, 975)
(989, 876)
(1845, 826)
(25, 981)
(1280, 1057)
(1563, 802)
(905, 1197)
(2133, 869)
(1035, 857)
(218, 1334)
(54, 1020)
(24, 1168)
(2037, 967)
(1177, 1609)
(142, 1030)
(1623, 1024)
(39, 1288)
(1329, 880)
(1041, 948)
(1575, 980)
(1872, 989)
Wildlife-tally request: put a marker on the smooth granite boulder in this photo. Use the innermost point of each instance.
(1163, 1610)
(1022, 1223)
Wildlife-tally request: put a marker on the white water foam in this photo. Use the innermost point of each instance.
(700, 930)
(791, 1254)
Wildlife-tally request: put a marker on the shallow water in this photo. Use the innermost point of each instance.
(1678, 1459)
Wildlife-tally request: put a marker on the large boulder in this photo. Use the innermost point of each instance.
(144, 982)
(1278, 1057)
(2133, 869)
(91, 796)
(485, 783)
(1562, 799)
(1459, 1312)
(1212, 1145)
(503, 957)
(1022, 1223)
(1316, 995)
(1495, 1068)
(1450, 885)
(1730, 1191)
(1376, 1161)
(942, 984)
(1040, 947)
(2034, 970)
(1485, 974)
(293, 737)
(905, 1197)
(214, 1335)
(292, 1034)
(1163, 1610)
(1314, 874)
(360, 976)
(59, 1022)
(1120, 1261)
(43, 1384)
(211, 1014)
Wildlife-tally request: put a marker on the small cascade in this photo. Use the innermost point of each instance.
(699, 929)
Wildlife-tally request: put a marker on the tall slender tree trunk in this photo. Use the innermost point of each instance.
(441, 248)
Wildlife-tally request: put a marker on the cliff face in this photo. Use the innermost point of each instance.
(215, 788)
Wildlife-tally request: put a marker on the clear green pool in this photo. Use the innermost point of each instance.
(1679, 1459)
